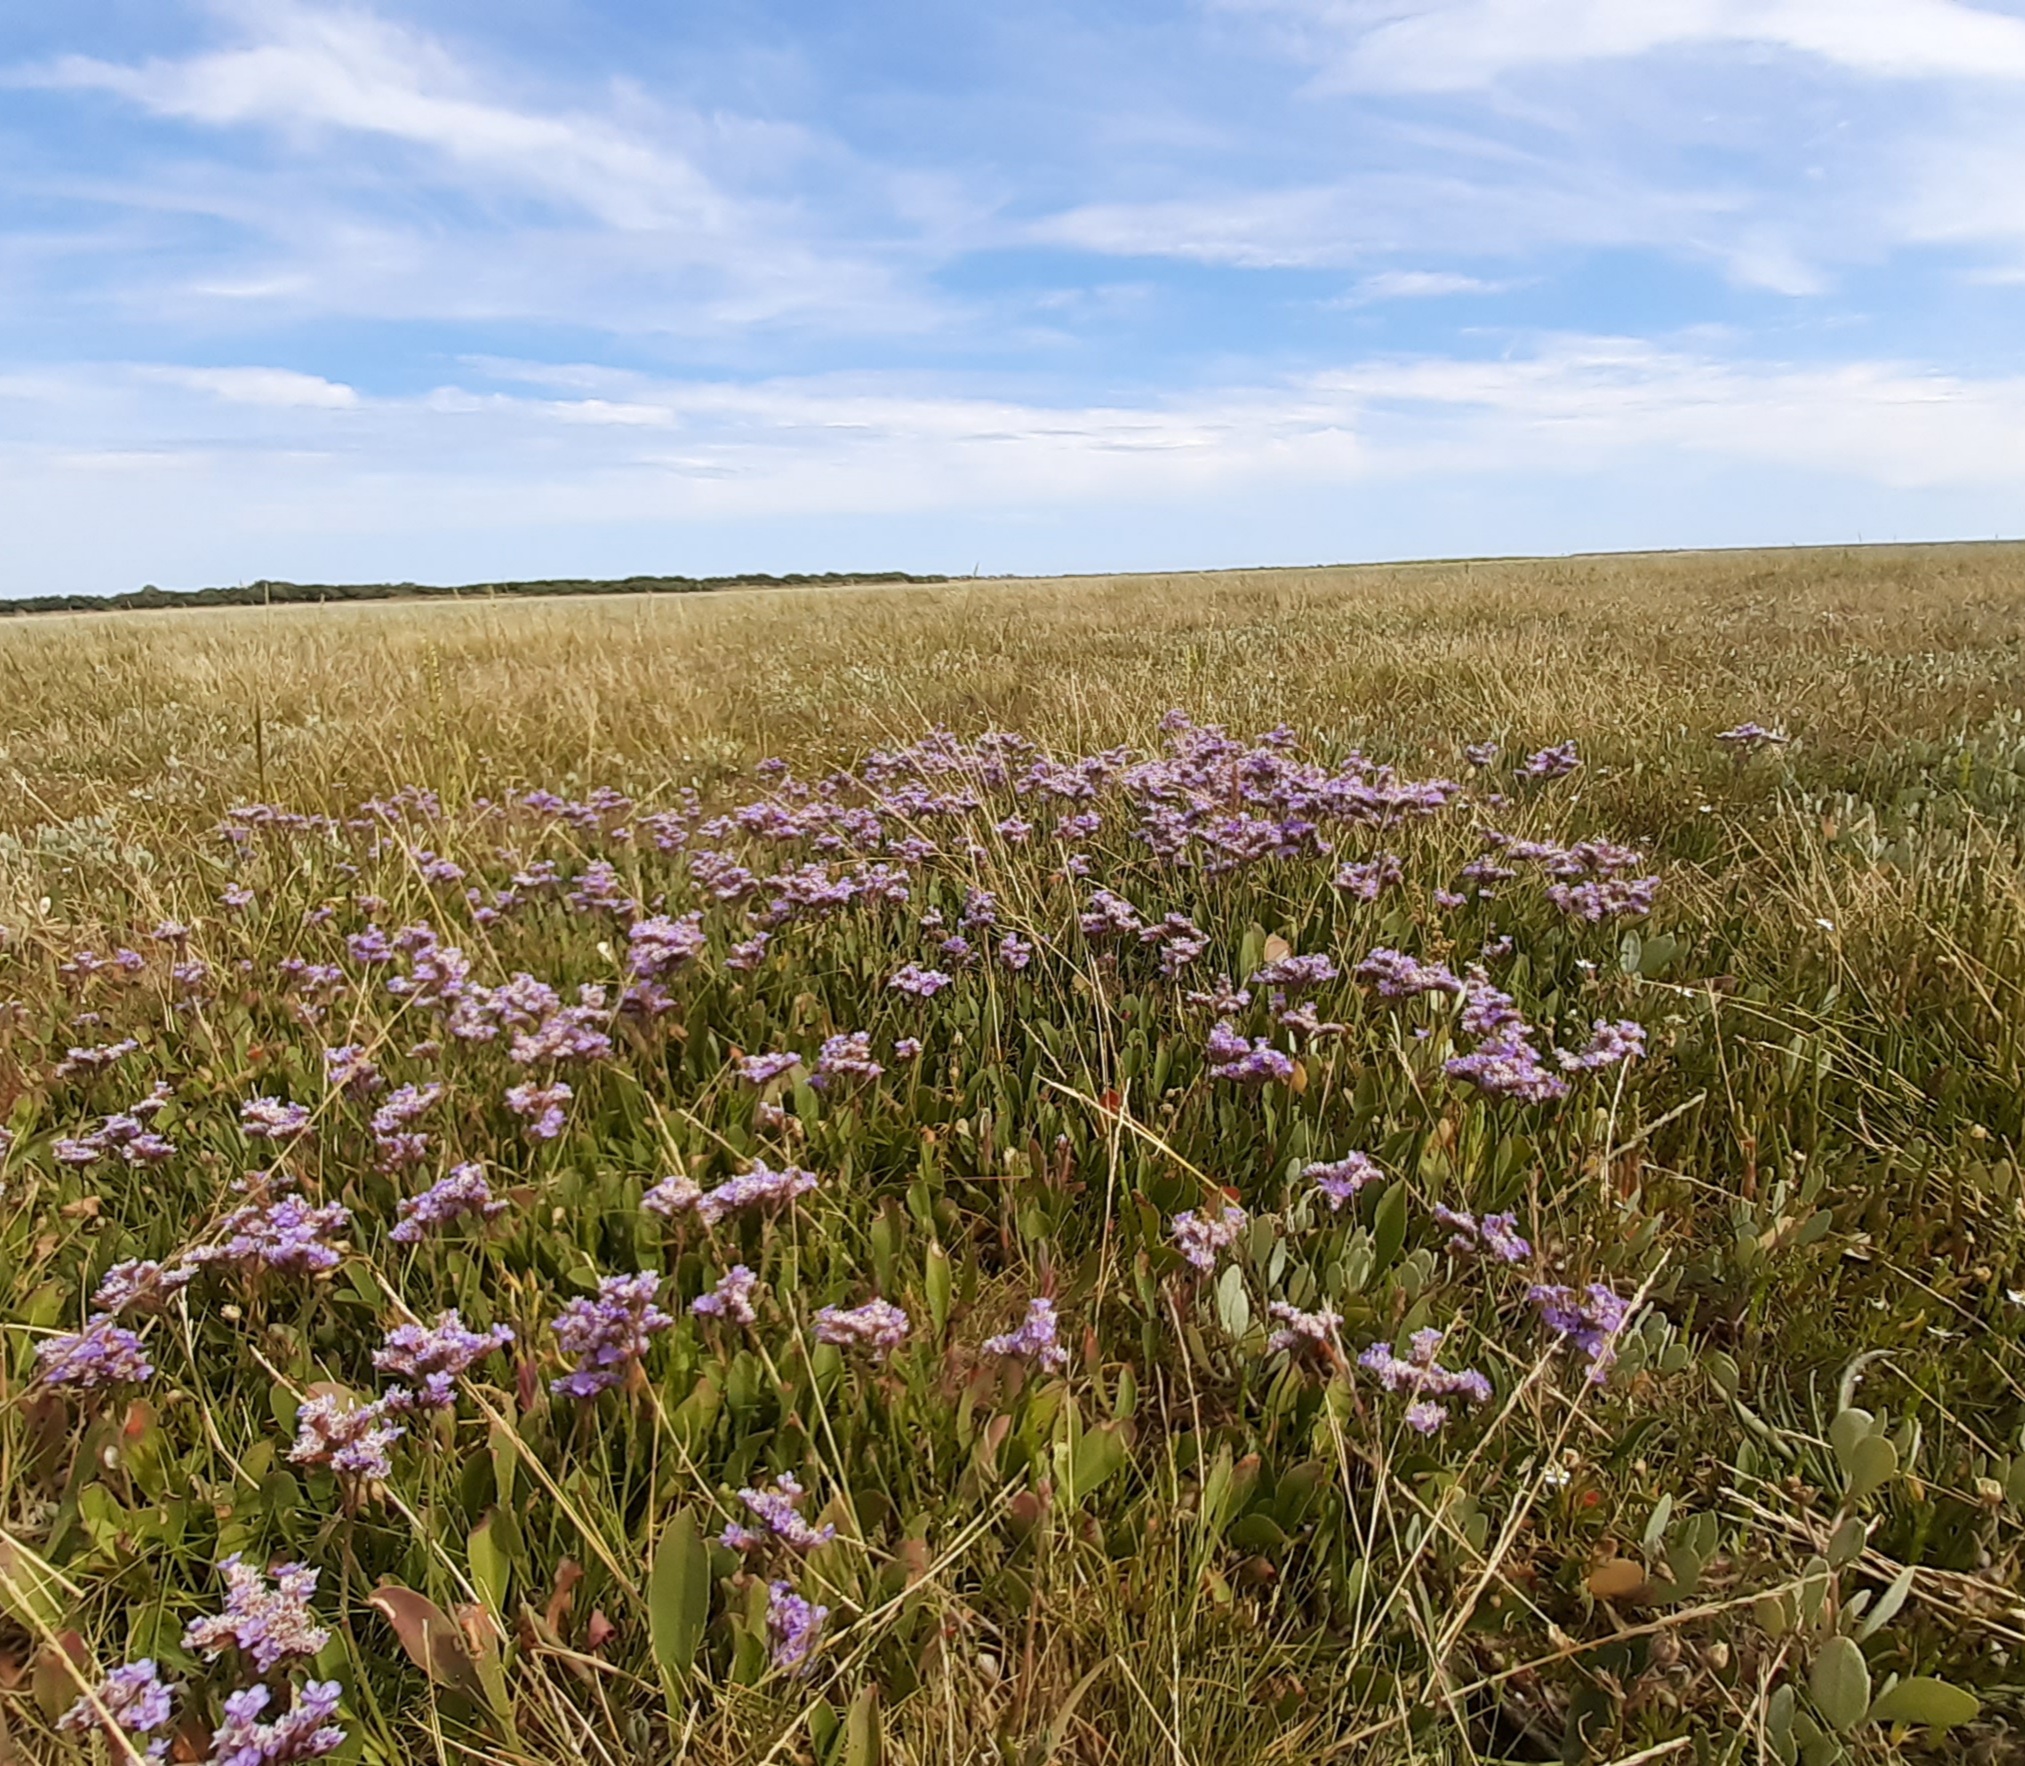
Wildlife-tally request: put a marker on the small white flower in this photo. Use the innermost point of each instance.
(1825, 925)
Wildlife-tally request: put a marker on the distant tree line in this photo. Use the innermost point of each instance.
(275, 594)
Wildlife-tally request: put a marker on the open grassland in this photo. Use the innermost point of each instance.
(1334, 1249)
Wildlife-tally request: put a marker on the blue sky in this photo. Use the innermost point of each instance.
(452, 290)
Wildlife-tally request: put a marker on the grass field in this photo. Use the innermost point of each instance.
(1149, 1326)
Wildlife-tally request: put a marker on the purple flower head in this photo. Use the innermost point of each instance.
(1340, 1179)
(762, 1186)
(608, 1334)
(1749, 738)
(306, 1732)
(778, 1511)
(1201, 1239)
(1300, 974)
(1035, 1338)
(1370, 879)
(542, 1105)
(1551, 763)
(1301, 1330)
(1497, 1234)
(1422, 1378)
(1109, 916)
(1480, 754)
(1508, 1066)
(672, 1196)
(1609, 1045)
(1015, 952)
(730, 1299)
(1248, 1063)
(748, 953)
(350, 1069)
(94, 1060)
(272, 1119)
(1591, 1320)
(140, 1287)
(1605, 898)
(289, 1234)
(102, 1354)
(349, 1437)
(794, 1624)
(463, 1192)
(268, 1624)
(922, 983)
(1399, 976)
(659, 946)
(441, 1352)
(134, 1698)
(908, 1048)
(878, 1325)
(848, 1056)
(403, 1108)
(765, 1069)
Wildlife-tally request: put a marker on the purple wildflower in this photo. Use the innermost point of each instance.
(761, 1186)
(877, 1325)
(1508, 1066)
(140, 1287)
(337, 1431)
(1605, 898)
(908, 1048)
(1749, 738)
(1590, 1320)
(134, 1698)
(1370, 879)
(306, 1732)
(1421, 1376)
(1301, 1330)
(289, 1234)
(1480, 754)
(350, 1069)
(848, 1056)
(1399, 976)
(1109, 916)
(672, 1196)
(268, 1624)
(1248, 1063)
(922, 983)
(1200, 1239)
(1611, 1043)
(102, 1354)
(608, 1334)
(1300, 974)
(542, 1105)
(1551, 763)
(1015, 952)
(272, 1119)
(1035, 1338)
(658, 947)
(793, 1623)
(765, 1069)
(779, 1513)
(436, 1355)
(749, 953)
(1496, 1233)
(731, 1298)
(1340, 1179)
(463, 1192)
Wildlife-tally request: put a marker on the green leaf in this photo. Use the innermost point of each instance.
(1849, 1427)
(864, 1733)
(678, 1598)
(938, 1284)
(1869, 1463)
(1388, 1226)
(1925, 1700)
(490, 1570)
(1845, 1544)
(1233, 1304)
(1840, 1683)
(1888, 1605)
(1098, 1455)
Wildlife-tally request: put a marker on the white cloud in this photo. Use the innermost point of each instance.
(277, 388)
(1390, 285)
(1457, 45)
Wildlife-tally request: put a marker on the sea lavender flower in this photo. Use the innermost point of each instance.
(908, 1048)
(140, 1286)
(1496, 1233)
(1605, 898)
(269, 1625)
(1249, 1063)
(463, 1192)
(272, 1119)
(672, 1196)
(1015, 952)
(1399, 976)
(436, 1355)
(1508, 1066)
(403, 1107)
(133, 1698)
(765, 1069)
(730, 1299)
(659, 946)
(609, 1333)
(1297, 974)
(778, 1511)
(922, 983)
(102, 1354)
(1749, 738)
(748, 953)
(1035, 1338)
(1109, 916)
(542, 1105)
(235, 896)
(1301, 1330)
(1480, 754)
(95, 1059)
(1610, 1044)
(1369, 879)
(1201, 1238)
(877, 1325)
(1551, 763)
(305, 1732)
(1590, 1320)
(848, 1056)
(793, 1623)
(1339, 1180)
(761, 1186)
(350, 1070)
(288, 1234)
(337, 1431)
(1420, 1375)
